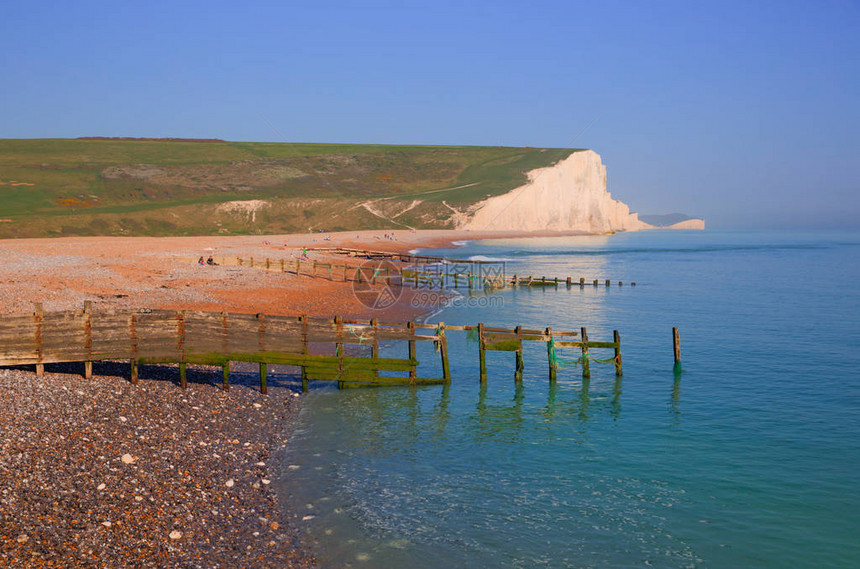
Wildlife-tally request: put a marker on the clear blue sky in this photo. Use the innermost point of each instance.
(746, 113)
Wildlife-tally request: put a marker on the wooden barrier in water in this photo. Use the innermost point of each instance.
(144, 336)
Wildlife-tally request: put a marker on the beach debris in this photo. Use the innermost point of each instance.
(266, 481)
(23, 538)
(107, 524)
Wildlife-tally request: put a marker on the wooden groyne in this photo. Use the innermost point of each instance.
(441, 277)
(143, 336)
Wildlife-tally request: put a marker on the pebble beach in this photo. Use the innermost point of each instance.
(102, 473)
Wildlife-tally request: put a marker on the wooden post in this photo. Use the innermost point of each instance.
(38, 316)
(595, 282)
(283, 262)
(315, 269)
(514, 281)
(338, 321)
(443, 352)
(413, 374)
(268, 263)
(180, 333)
(616, 337)
(252, 262)
(261, 342)
(581, 282)
(264, 372)
(543, 281)
(304, 320)
(586, 368)
(225, 343)
(482, 354)
(556, 282)
(88, 338)
(569, 283)
(518, 373)
(132, 326)
(298, 266)
(676, 344)
(550, 354)
(374, 346)
(239, 261)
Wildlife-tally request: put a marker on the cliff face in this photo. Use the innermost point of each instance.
(569, 196)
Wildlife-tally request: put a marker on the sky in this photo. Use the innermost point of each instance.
(744, 113)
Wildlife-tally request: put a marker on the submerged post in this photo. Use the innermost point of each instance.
(443, 352)
(482, 354)
(586, 369)
(412, 354)
(518, 373)
(616, 337)
(676, 345)
(550, 353)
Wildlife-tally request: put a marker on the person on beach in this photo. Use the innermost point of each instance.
(211, 261)
(200, 261)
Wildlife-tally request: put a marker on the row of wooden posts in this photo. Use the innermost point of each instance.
(217, 338)
(405, 276)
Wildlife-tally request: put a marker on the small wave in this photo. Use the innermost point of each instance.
(459, 243)
(488, 259)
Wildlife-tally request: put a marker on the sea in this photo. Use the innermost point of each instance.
(747, 456)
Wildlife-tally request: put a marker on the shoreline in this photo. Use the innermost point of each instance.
(202, 460)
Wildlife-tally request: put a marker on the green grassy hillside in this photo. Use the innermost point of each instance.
(54, 187)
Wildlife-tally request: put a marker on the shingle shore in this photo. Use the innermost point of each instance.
(102, 473)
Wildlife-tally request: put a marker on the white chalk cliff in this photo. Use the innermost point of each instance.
(568, 196)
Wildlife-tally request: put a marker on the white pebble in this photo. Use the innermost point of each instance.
(175, 534)
(266, 481)
(101, 486)
(229, 483)
(107, 524)
(123, 419)
(23, 538)
(127, 458)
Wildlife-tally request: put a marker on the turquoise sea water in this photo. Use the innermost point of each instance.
(751, 458)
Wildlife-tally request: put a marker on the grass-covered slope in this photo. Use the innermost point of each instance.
(54, 187)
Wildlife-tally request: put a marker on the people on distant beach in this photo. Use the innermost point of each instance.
(304, 256)
(211, 261)
(200, 261)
